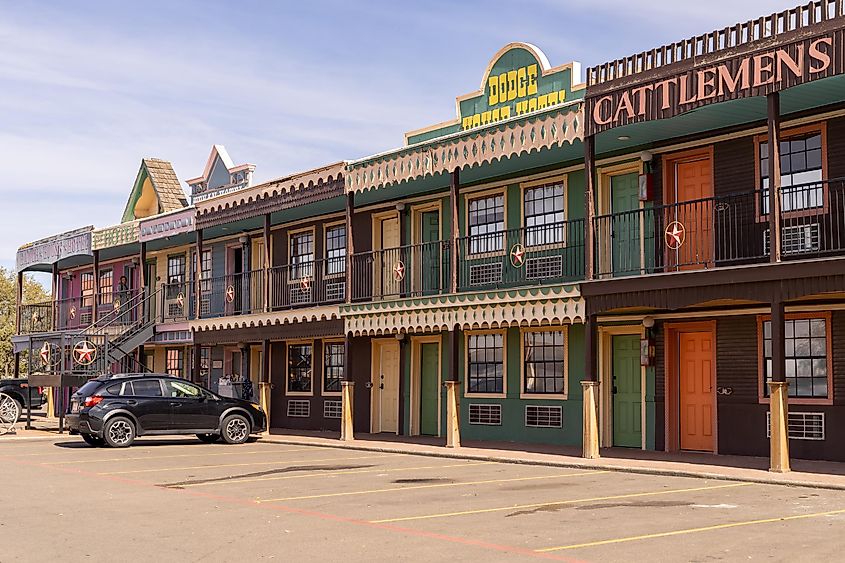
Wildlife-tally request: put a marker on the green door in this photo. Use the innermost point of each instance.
(625, 205)
(429, 360)
(627, 397)
(429, 252)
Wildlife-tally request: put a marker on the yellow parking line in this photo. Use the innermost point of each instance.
(431, 486)
(692, 530)
(543, 504)
(148, 457)
(276, 462)
(341, 472)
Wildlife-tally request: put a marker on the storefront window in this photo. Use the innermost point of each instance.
(544, 362)
(485, 363)
(175, 362)
(334, 357)
(300, 368)
(806, 357)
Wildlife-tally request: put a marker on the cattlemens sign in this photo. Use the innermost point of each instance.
(519, 80)
(56, 248)
(755, 74)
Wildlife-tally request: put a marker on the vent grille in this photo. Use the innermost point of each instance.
(543, 416)
(797, 239)
(544, 267)
(485, 414)
(802, 425)
(299, 408)
(332, 409)
(85, 318)
(485, 274)
(336, 291)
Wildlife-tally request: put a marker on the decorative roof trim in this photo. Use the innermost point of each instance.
(518, 136)
(326, 313)
(167, 224)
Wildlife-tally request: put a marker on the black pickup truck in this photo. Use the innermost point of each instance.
(18, 390)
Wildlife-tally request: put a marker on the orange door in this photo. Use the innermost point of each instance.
(693, 183)
(695, 383)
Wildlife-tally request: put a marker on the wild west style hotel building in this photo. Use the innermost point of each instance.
(653, 260)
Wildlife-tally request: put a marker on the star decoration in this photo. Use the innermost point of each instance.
(230, 293)
(84, 353)
(517, 255)
(45, 353)
(675, 234)
(180, 300)
(305, 283)
(399, 271)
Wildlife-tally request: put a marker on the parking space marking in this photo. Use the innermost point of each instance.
(432, 486)
(544, 504)
(278, 461)
(154, 457)
(692, 530)
(341, 472)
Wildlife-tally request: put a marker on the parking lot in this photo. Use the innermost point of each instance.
(181, 500)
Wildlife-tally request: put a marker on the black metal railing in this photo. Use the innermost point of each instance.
(406, 271)
(233, 294)
(533, 255)
(308, 283)
(36, 317)
(812, 220)
(176, 302)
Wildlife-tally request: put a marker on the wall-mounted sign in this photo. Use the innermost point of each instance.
(54, 249)
(519, 80)
(167, 225)
(676, 89)
(117, 235)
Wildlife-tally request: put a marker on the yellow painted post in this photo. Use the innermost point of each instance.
(346, 429)
(264, 401)
(779, 440)
(453, 418)
(590, 438)
(50, 404)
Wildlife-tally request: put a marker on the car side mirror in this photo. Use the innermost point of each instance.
(203, 398)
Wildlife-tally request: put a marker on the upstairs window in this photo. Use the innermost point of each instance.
(87, 281)
(301, 255)
(544, 210)
(336, 249)
(106, 287)
(802, 171)
(486, 222)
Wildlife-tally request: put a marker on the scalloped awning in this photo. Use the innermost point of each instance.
(311, 314)
(518, 307)
(502, 140)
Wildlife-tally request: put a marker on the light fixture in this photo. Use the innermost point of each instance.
(646, 156)
(243, 239)
(624, 138)
(400, 207)
(400, 336)
(648, 322)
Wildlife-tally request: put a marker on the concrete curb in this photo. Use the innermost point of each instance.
(569, 464)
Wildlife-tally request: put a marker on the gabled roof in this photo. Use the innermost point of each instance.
(167, 190)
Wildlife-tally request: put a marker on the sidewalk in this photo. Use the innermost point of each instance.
(816, 474)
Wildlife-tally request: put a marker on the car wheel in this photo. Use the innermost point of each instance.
(119, 432)
(10, 409)
(92, 440)
(235, 429)
(208, 438)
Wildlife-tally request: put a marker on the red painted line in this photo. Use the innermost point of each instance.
(304, 512)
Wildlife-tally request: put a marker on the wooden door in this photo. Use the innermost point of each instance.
(696, 375)
(387, 386)
(387, 257)
(625, 205)
(694, 213)
(429, 388)
(627, 391)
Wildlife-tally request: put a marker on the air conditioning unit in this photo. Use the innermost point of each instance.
(796, 239)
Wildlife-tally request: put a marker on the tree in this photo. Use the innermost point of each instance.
(33, 292)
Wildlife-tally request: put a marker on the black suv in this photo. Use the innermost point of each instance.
(115, 409)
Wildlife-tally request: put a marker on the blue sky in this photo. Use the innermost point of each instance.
(90, 88)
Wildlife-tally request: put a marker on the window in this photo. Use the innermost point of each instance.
(486, 220)
(801, 172)
(87, 280)
(205, 365)
(301, 255)
(806, 356)
(299, 368)
(182, 390)
(146, 388)
(544, 362)
(175, 275)
(336, 249)
(106, 287)
(543, 207)
(206, 271)
(333, 364)
(175, 362)
(485, 363)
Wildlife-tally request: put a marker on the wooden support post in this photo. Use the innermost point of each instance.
(453, 411)
(96, 303)
(778, 393)
(347, 394)
(197, 371)
(590, 389)
(454, 193)
(18, 302)
(773, 100)
(264, 384)
(350, 244)
(265, 260)
(54, 298)
(589, 204)
(197, 285)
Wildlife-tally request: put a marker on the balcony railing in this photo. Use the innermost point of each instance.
(725, 230)
(406, 271)
(233, 294)
(309, 283)
(36, 317)
(534, 255)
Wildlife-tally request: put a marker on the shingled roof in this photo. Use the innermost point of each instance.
(171, 197)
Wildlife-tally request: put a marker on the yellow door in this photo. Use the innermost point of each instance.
(387, 386)
(388, 258)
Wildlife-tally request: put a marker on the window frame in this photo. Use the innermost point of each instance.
(761, 382)
(295, 269)
(288, 345)
(106, 296)
(87, 299)
(524, 187)
(325, 366)
(523, 394)
(167, 368)
(343, 259)
(486, 194)
(487, 395)
(819, 127)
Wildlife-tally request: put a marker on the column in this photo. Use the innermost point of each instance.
(266, 264)
(778, 394)
(54, 297)
(347, 393)
(589, 204)
(590, 388)
(455, 231)
(197, 371)
(350, 245)
(453, 412)
(246, 280)
(773, 100)
(96, 286)
(146, 308)
(264, 385)
(197, 285)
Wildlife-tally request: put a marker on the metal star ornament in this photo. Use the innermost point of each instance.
(84, 353)
(675, 235)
